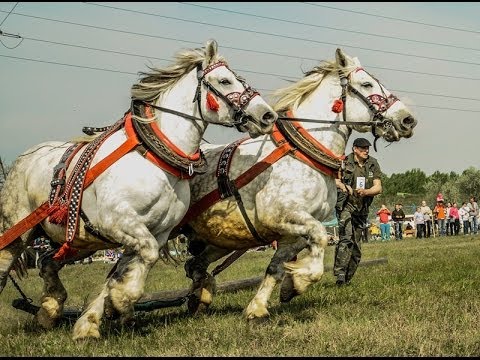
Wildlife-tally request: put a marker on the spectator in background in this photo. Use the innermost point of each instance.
(383, 214)
(464, 213)
(454, 220)
(440, 214)
(398, 216)
(427, 215)
(473, 215)
(448, 228)
(419, 220)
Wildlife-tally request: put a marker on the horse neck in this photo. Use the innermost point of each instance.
(184, 133)
(319, 106)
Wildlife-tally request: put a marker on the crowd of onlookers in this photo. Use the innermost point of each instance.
(444, 219)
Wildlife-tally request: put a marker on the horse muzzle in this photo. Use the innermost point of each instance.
(392, 130)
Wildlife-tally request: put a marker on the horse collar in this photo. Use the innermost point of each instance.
(155, 144)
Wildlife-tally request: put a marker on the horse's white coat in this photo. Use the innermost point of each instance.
(289, 200)
(133, 203)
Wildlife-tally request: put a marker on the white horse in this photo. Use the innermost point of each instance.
(285, 182)
(135, 199)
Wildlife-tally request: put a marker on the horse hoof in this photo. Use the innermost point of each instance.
(44, 320)
(287, 289)
(195, 306)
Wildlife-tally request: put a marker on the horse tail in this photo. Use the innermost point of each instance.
(10, 258)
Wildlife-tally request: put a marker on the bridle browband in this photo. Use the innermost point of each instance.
(382, 102)
(238, 101)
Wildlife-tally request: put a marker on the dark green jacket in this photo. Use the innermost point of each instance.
(371, 170)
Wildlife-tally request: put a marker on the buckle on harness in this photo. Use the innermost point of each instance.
(57, 182)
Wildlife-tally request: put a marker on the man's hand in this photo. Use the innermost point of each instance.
(361, 192)
(343, 187)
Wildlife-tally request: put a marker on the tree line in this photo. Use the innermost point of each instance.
(408, 188)
(413, 186)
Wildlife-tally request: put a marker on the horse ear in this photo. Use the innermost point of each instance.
(211, 51)
(341, 59)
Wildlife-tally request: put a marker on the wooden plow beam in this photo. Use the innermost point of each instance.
(170, 298)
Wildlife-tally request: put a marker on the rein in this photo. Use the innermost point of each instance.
(328, 121)
(186, 116)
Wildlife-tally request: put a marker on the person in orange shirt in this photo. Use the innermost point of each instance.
(383, 214)
(440, 214)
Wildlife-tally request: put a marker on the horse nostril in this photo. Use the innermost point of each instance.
(409, 122)
(269, 118)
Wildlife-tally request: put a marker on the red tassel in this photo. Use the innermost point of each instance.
(59, 215)
(65, 252)
(337, 106)
(212, 102)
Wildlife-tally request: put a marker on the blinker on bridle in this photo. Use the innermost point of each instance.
(383, 103)
(238, 101)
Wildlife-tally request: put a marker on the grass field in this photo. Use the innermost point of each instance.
(424, 301)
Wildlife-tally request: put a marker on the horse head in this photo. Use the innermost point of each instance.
(229, 99)
(365, 99)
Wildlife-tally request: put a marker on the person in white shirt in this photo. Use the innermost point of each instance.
(464, 213)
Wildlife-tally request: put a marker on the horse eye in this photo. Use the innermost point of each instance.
(225, 82)
(367, 85)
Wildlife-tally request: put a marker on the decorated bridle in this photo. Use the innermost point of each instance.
(382, 102)
(238, 101)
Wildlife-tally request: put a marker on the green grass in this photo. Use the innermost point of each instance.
(424, 301)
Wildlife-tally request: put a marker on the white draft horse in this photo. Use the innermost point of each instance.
(285, 182)
(138, 198)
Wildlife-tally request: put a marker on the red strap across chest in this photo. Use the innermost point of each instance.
(279, 138)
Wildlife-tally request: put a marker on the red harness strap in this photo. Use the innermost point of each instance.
(214, 196)
(283, 147)
(25, 224)
(44, 210)
(180, 173)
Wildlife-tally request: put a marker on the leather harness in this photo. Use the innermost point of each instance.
(291, 142)
(134, 141)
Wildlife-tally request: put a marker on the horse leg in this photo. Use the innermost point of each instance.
(303, 272)
(126, 285)
(309, 269)
(203, 284)
(54, 293)
(257, 308)
(287, 288)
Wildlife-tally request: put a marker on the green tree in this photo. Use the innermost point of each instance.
(469, 183)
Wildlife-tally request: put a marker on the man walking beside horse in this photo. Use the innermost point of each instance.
(355, 191)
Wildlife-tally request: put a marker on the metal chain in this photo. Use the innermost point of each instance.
(19, 290)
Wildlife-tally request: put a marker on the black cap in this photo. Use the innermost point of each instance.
(361, 142)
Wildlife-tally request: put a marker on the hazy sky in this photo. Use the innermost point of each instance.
(77, 62)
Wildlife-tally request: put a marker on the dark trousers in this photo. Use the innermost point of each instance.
(398, 226)
(348, 250)
(456, 226)
(466, 227)
(420, 231)
(428, 228)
